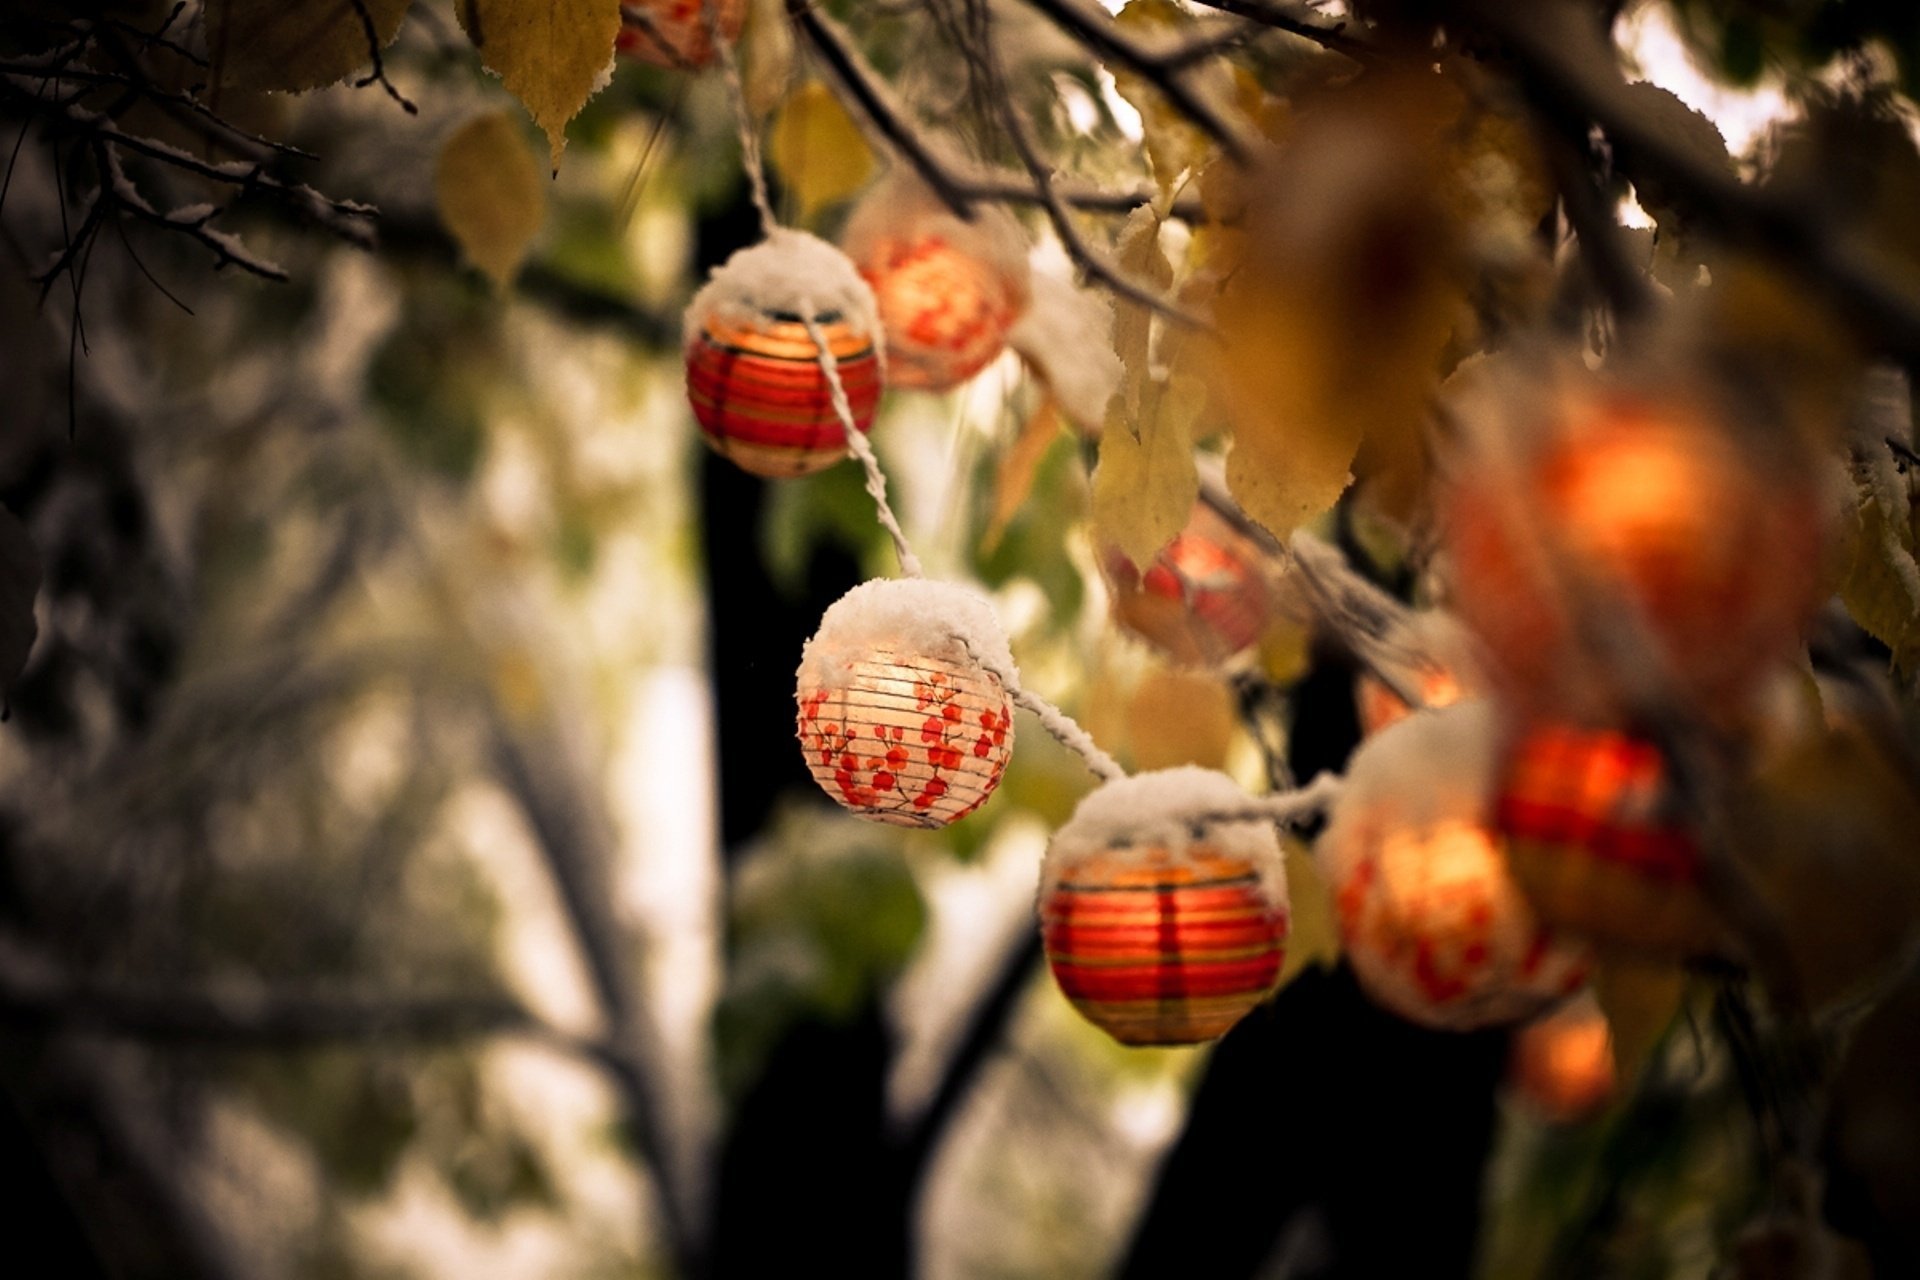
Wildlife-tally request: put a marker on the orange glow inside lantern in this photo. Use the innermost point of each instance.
(1163, 948)
(1562, 1065)
(762, 399)
(1380, 706)
(1654, 508)
(1203, 600)
(675, 33)
(945, 312)
(907, 739)
(1595, 842)
(1437, 931)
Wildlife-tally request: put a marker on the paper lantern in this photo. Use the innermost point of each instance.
(1203, 600)
(1562, 1065)
(904, 718)
(753, 370)
(1627, 503)
(1160, 926)
(675, 33)
(1431, 920)
(1594, 841)
(948, 290)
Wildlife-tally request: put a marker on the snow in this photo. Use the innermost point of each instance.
(1067, 334)
(913, 615)
(1438, 766)
(792, 273)
(1170, 810)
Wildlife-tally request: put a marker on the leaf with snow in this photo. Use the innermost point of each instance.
(817, 149)
(491, 194)
(551, 54)
(19, 584)
(296, 44)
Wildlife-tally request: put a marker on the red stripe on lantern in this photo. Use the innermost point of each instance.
(1204, 598)
(763, 401)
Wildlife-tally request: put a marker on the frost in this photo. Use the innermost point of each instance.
(1170, 810)
(1066, 334)
(913, 615)
(789, 273)
(1426, 769)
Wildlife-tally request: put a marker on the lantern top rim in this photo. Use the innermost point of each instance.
(791, 276)
(907, 616)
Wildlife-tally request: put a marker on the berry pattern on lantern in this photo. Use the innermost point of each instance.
(1160, 926)
(1203, 600)
(1432, 922)
(903, 718)
(948, 290)
(753, 371)
(1652, 507)
(675, 33)
(1596, 845)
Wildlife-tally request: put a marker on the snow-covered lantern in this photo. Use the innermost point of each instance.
(1203, 600)
(1643, 514)
(677, 33)
(1595, 841)
(948, 290)
(1439, 670)
(753, 370)
(1163, 923)
(1562, 1065)
(1432, 922)
(904, 715)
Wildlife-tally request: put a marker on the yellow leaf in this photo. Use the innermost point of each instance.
(1180, 717)
(295, 44)
(820, 152)
(491, 194)
(1314, 938)
(1286, 652)
(551, 54)
(1875, 590)
(766, 57)
(1175, 145)
(1640, 1000)
(1144, 489)
(1139, 255)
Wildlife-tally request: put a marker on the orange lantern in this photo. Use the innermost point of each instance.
(1205, 597)
(1432, 922)
(676, 33)
(948, 290)
(1437, 656)
(753, 370)
(1562, 1065)
(1649, 516)
(1162, 924)
(904, 716)
(1594, 841)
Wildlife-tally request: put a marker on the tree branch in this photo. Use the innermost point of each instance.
(1281, 17)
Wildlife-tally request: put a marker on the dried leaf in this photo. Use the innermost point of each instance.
(1180, 717)
(1640, 1000)
(1175, 145)
(818, 149)
(1144, 488)
(552, 54)
(491, 194)
(296, 44)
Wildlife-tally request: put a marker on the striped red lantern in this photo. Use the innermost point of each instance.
(1431, 920)
(676, 33)
(1161, 926)
(1596, 844)
(1650, 506)
(1203, 600)
(948, 290)
(753, 370)
(903, 716)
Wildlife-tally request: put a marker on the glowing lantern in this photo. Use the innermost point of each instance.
(903, 714)
(1562, 1065)
(1595, 844)
(1627, 503)
(1163, 926)
(675, 33)
(1203, 600)
(753, 371)
(948, 290)
(1433, 924)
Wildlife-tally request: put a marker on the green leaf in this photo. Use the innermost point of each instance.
(491, 194)
(817, 148)
(552, 54)
(295, 44)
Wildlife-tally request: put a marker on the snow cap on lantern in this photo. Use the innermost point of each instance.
(1598, 844)
(1205, 597)
(1589, 505)
(677, 33)
(753, 371)
(1432, 656)
(903, 714)
(1162, 924)
(1434, 926)
(948, 290)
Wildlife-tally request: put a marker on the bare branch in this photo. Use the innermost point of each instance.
(1281, 17)
(378, 75)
